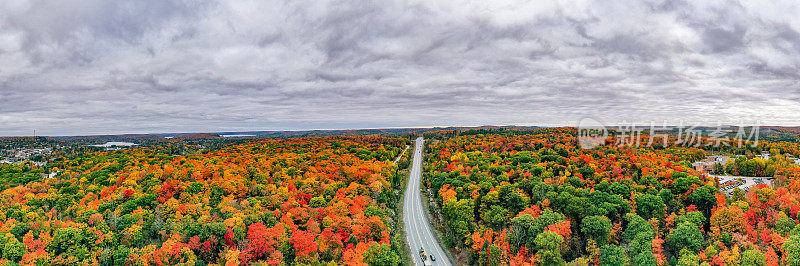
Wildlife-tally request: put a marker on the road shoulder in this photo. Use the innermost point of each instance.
(399, 242)
(435, 224)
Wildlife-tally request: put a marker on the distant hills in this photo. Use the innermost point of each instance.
(768, 133)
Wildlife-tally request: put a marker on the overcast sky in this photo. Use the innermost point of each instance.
(75, 67)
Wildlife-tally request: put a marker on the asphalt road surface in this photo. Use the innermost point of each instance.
(418, 231)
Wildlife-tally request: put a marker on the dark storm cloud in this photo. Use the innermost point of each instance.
(91, 67)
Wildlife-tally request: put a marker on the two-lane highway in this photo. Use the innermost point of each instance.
(418, 231)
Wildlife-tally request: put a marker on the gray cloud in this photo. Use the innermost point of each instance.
(93, 67)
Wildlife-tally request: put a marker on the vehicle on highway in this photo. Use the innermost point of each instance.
(424, 258)
(419, 235)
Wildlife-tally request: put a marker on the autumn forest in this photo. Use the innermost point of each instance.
(294, 201)
(498, 197)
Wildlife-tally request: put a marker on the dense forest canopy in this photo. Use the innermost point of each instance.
(291, 201)
(504, 196)
(535, 197)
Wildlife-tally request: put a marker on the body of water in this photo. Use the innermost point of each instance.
(115, 143)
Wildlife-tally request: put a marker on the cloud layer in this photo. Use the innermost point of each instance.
(136, 66)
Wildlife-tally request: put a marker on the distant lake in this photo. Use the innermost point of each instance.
(237, 136)
(115, 143)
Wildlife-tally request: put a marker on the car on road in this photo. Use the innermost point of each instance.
(424, 257)
(432, 257)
